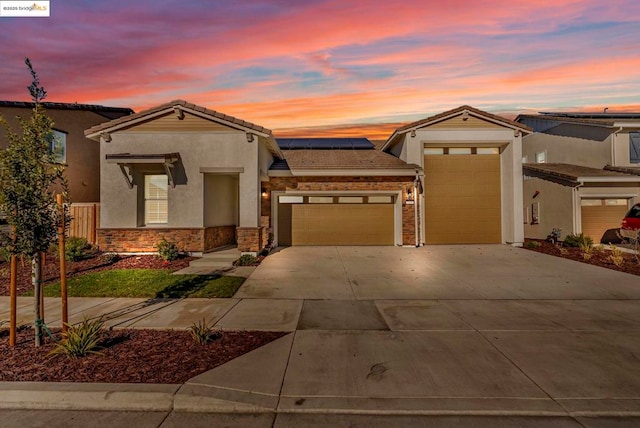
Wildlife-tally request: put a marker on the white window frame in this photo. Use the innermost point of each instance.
(158, 217)
(541, 157)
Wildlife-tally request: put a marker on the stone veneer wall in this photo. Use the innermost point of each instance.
(218, 236)
(143, 240)
(348, 184)
(250, 239)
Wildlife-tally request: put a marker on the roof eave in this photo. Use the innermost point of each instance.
(355, 172)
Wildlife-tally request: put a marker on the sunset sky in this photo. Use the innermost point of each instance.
(324, 67)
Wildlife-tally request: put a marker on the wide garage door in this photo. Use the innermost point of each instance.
(599, 215)
(339, 223)
(463, 197)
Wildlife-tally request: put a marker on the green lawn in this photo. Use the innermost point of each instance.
(152, 283)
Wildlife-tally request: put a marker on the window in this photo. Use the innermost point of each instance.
(459, 150)
(433, 151)
(58, 145)
(291, 199)
(380, 199)
(155, 199)
(541, 157)
(634, 147)
(488, 151)
(320, 199)
(350, 199)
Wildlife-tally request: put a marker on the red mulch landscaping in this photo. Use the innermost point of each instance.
(598, 258)
(51, 271)
(129, 356)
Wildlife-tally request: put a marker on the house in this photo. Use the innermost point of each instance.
(203, 179)
(80, 154)
(472, 175)
(582, 172)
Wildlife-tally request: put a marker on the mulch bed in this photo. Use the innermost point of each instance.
(598, 258)
(51, 271)
(129, 356)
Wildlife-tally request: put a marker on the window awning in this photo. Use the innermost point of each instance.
(127, 160)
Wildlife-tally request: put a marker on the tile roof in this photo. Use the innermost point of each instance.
(190, 106)
(454, 111)
(608, 122)
(572, 174)
(100, 109)
(635, 170)
(343, 159)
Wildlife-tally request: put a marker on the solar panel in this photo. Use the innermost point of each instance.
(324, 143)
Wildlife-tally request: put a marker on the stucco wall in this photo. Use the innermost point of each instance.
(220, 200)
(621, 152)
(511, 167)
(556, 208)
(197, 150)
(576, 151)
(83, 154)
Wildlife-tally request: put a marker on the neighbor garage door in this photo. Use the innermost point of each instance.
(599, 215)
(462, 196)
(338, 222)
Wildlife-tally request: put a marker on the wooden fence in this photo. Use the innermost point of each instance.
(85, 218)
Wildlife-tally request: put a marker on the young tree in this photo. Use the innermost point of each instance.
(29, 176)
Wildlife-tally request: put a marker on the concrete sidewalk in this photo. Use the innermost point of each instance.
(562, 348)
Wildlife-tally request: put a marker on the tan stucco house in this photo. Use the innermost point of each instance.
(581, 172)
(80, 154)
(472, 175)
(203, 179)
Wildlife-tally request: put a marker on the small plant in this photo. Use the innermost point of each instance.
(80, 340)
(109, 258)
(579, 240)
(587, 252)
(246, 260)
(168, 251)
(5, 254)
(76, 249)
(616, 256)
(562, 250)
(202, 332)
(532, 244)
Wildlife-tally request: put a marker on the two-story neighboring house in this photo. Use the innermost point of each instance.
(79, 153)
(582, 172)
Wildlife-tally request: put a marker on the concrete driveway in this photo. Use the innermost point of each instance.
(433, 272)
(445, 330)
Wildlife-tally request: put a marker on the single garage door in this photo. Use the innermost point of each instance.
(599, 215)
(463, 196)
(336, 221)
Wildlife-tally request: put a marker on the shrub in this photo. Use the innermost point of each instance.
(109, 258)
(579, 240)
(532, 244)
(246, 260)
(5, 254)
(202, 332)
(76, 249)
(80, 340)
(168, 251)
(616, 256)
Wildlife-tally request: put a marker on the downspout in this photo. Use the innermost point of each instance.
(416, 198)
(576, 202)
(614, 137)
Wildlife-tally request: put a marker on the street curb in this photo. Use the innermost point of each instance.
(87, 396)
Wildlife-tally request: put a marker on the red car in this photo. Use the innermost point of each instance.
(631, 223)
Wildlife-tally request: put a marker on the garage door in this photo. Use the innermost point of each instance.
(463, 197)
(338, 222)
(598, 215)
